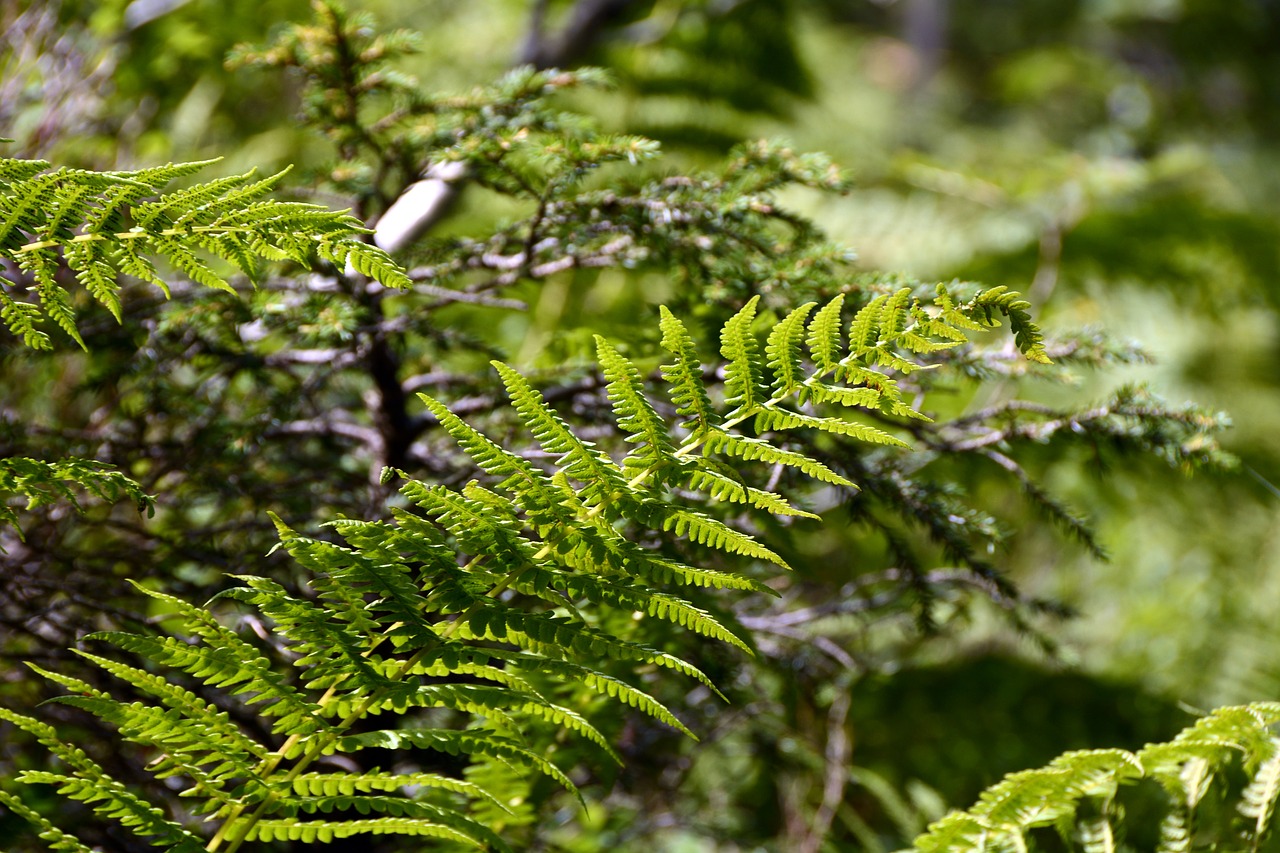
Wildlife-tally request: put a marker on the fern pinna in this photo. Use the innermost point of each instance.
(1215, 784)
(487, 605)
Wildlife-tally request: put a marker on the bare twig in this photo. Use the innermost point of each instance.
(836, 774)
(586, 23)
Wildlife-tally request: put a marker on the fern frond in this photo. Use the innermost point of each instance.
(1027, 334)
(864, 331)
(780, 419)
(632, 596)
(1175, 835)
(1258, 801)
(604, 684)
(113, 800)
(207, 729)
(224, 660)
(722, 484)
(1097, 836)
(580, 459)
(324, 831)
(480, 700)
(708, 531)
(333, 784)
(1202, 758)
(43, 483)
(758, 450)
(104, 224)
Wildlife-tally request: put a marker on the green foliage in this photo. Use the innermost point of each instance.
(44, 483)
(101, 226)
(453, 660)
(471, 601)
(1081, 794)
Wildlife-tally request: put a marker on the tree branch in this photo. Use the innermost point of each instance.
(586, 22)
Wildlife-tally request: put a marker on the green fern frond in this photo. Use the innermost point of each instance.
(332, 784)
(606, 685)
(783, 351)
(501, 602)
(864, 330)
(758, 450)
(632, 596)
(780, 419)
(101, 225)
(1175, 835)
(553, 635)
(210, 730)
(580, 460)
(721, 483)
(324, 831)
(1202, 758)
(1258, 801)
(1097, 836)
(223, 667)
(1027, 335)
(708, 531)
(43, 483)
(113, 800)
(480, 700)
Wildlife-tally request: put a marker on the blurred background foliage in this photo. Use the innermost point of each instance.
(1117, 160)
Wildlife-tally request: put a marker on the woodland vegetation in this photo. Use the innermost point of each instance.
(475, 426)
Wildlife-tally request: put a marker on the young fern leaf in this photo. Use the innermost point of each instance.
(1026, 334)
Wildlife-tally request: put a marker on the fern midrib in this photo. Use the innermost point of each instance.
(138, 234)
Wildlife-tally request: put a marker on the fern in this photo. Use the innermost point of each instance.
(1079, 793)
(100, 225)
(491, 602)
(43, 483)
